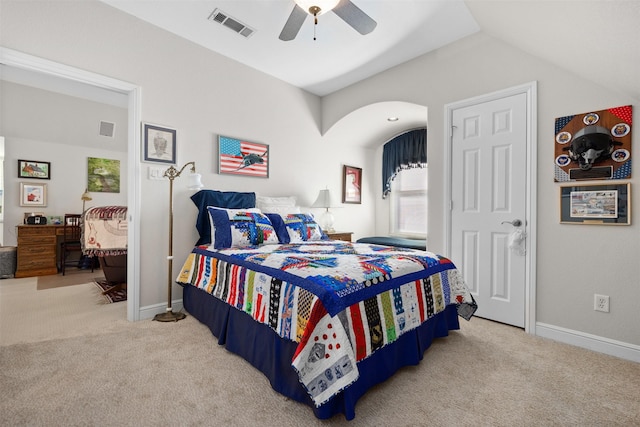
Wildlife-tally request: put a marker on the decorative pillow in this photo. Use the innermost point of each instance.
(222, 199)
(278, 224)
(237, 228)
(303, 227)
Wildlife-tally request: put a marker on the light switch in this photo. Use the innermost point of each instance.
(156, 172)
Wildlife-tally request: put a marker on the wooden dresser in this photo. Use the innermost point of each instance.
(37, 250)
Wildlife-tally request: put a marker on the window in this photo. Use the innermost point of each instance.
(409, 203)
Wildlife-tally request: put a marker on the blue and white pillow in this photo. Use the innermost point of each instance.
(278, 224)
(237, 228)
(302, 227)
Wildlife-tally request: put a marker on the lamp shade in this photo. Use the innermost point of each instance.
(85, 196)
(195, 181)
(324, 200)
(324, 5)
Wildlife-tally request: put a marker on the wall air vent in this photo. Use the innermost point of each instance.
(233, 24)
(107, 129)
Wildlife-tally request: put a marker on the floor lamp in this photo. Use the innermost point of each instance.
(194, 184)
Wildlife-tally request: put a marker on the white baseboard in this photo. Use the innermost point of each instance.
(149, 311)
(608, 346)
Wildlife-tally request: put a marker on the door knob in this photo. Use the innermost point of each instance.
(515, 222)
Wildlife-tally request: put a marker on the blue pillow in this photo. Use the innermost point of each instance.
(279, 227)
(239, 228)
(222, 199)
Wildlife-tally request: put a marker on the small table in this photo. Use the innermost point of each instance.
(340, 235)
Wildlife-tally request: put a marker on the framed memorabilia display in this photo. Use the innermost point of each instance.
(596, 204)
(594, 145)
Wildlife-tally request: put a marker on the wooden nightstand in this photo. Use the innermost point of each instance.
(340, 235)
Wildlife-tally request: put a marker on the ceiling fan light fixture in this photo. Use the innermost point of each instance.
(317, 7)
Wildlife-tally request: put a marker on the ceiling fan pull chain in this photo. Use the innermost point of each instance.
(315, 24)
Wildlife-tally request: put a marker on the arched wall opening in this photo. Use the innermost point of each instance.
(370, 127)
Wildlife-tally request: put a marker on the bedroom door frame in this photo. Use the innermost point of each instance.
(530, 90)
(14, 58)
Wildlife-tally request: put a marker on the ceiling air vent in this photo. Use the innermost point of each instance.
(233, 24)
(107, 128)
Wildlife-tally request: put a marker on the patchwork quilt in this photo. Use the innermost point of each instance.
(339, 301)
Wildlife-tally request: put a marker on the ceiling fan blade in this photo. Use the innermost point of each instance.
(293, 24)
(354, 16)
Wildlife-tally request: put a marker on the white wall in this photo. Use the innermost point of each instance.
(201, 95)
(574, 261)
(63, 130)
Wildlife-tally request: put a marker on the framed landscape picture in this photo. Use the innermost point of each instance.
(34, 169)
(103, 175)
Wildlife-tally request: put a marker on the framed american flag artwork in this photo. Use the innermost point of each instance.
(240, 157)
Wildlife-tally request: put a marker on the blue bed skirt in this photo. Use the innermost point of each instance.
(253, 341)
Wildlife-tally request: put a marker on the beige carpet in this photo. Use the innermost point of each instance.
(31, 315)
(150, 373)
(73, 276)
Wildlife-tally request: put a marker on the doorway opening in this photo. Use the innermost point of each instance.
(19, 60)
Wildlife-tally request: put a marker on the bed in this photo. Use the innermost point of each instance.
(104, 235)
(324, 320)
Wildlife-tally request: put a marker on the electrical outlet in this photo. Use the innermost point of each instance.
(601, 303)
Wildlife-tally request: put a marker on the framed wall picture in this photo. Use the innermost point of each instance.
(596, 204)
(240, 157)
(103, 175)
(159, 144)
(351, 184)
(34, 195)
(34, 169)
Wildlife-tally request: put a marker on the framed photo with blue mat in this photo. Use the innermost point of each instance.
(596, 204)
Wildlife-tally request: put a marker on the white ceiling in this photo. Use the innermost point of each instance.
(338, 57)
(596, 39)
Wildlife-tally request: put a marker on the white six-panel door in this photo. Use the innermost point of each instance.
(488, 194)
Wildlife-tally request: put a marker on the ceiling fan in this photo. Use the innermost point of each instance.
(345, 9)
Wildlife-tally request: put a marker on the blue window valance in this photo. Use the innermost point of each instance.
(405, 151)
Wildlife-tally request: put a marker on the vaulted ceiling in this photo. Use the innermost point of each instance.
(597, 39)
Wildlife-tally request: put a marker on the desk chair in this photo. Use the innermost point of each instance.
(71, 241)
